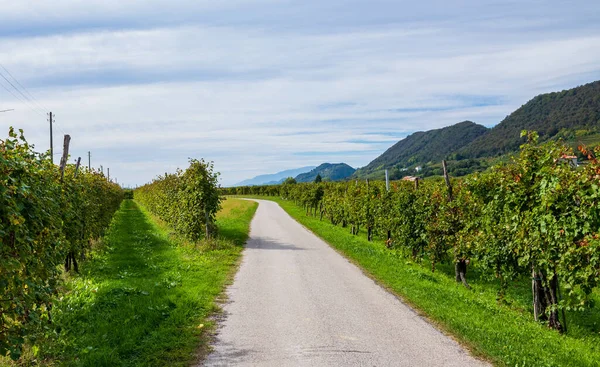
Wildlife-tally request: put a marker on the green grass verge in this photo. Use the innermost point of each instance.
(504, 334)
(146, 297)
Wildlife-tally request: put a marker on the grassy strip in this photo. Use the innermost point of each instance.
(505, 334)
(145, 298)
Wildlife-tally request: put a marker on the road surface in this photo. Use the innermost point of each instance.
(297, 302)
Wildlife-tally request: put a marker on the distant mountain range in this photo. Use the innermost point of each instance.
(422, 147)
(328, 172)
(572, 115)
(275, 178)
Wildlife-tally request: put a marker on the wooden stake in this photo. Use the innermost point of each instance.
(450, 197)
(65, 156)
(51, 142)
(387, 181)
(77, 166)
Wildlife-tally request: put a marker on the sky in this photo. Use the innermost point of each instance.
(260, 86)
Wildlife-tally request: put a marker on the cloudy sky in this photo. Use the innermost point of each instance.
(259, 86)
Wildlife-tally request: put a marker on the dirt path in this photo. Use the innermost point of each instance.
(296, 302)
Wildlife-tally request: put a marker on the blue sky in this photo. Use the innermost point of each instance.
(260, 86)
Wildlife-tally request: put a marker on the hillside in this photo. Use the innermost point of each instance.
(423, 147)
(328, 172)
(572, 114)
(274, 178)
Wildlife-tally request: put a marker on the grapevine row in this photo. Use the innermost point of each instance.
(46, 224)
(187, 201)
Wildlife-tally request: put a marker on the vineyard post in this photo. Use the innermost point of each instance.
(387, 189)
(369, 229)
(447, 179)
(108, 173)
(387, 181)
(65, 155)
(51, 143)
(89, 160)
(77, 165)
(416, 183)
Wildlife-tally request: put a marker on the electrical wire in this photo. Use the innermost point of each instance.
(20, 99)
(25, 89)
(20, 92)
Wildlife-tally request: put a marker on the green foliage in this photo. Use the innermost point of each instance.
(318, 178)
(42, 219)
(186, 200)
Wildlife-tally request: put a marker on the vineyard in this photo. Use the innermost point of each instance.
(48, 221)
(537, 216)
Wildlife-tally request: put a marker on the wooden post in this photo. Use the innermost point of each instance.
(387, 181)
(450, 197)
(51, 142)
(77, 166)
(65, 156)
(416, 183)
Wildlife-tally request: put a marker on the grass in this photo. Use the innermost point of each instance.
(147, 296)
(504, 334)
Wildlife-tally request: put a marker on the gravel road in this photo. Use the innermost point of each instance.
(297, 302)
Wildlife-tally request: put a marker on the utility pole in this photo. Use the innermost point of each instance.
(51, 144)
(89, 160)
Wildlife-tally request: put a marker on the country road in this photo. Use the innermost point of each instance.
(297, 302)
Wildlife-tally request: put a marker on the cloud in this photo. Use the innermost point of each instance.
(262, 86)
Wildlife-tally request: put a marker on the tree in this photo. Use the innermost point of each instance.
(318, 178)
(289, 181)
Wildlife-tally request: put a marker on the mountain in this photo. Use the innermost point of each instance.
(572, 114)
(328, 172)
(423, 147)
(274, 178)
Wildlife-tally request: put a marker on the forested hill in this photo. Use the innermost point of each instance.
(328, 172)
(571, 114)
(423, 147)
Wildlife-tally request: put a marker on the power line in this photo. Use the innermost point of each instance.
(27, 99)
(32, 100)
(20, 99)
(25, 89)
